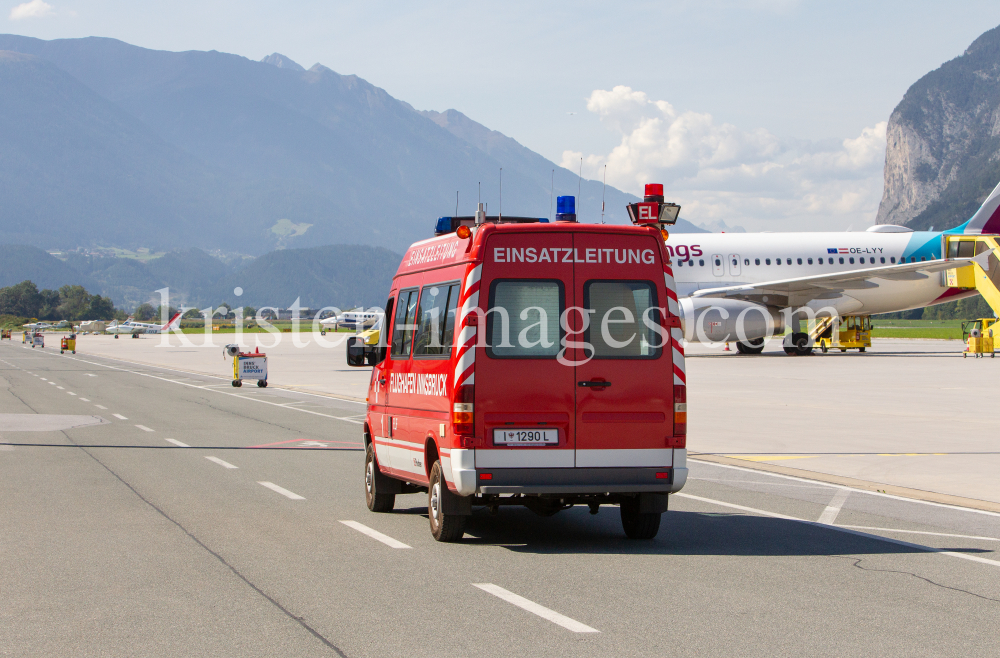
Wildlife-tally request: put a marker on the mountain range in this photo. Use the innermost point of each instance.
(109, 144)
(943, 141)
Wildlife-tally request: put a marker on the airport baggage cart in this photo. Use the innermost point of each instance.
(68, 344)
(978, 337)
(5, 334)
(38, 340)
(250, 366)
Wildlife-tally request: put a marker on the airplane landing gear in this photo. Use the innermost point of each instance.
(797, 344)
(750, 347)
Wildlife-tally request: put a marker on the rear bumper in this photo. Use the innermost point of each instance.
(580, 480)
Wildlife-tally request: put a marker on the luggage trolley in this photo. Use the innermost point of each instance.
(68, 344)
(37, 340)
(248, 365)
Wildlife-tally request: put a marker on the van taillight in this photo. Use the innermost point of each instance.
(463, 420)
(679, 439)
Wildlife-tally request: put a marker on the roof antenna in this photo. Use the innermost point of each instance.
(500, 213)
(603, 191)
(551, 190)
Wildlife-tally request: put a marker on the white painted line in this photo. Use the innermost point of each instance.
(100, 406)
(920, 547)
(829, 515)
(84, 400)
(144, 428)
(374, 534)
(220, 462)
(44, 380)
(177, 443)
(284, 492)
(60, 388)
(919, 532)
(52, 383)
(70, 393)
(534, 608)
(90, 375)
(119, 416)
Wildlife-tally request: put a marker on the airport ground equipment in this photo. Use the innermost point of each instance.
(978, 337)
(852, 332)
(68, 344)
(362, 348)
(248, 366)
(5, 334)
(37, 340)
(983, 273)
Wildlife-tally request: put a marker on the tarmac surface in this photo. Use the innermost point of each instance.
(171, 514)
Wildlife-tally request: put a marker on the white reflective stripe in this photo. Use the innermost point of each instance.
(648, 457)
(676, 336)
(473, 277)
(525, 458)
(382, 453)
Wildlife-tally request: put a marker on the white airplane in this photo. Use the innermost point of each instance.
(37, 326)
(727, 279)
(133, 328)
(353, 319)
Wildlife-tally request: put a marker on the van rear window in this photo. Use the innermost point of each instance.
(523, 319)
(625, 319)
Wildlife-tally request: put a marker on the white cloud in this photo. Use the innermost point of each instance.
(32, 9)
(720, 172)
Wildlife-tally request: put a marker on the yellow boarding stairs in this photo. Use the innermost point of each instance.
(983, 275)
(853, 332)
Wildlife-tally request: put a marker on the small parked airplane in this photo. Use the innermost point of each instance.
(133, 328)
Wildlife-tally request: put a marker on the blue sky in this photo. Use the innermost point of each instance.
(763, 113)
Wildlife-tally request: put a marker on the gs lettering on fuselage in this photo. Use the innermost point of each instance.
(418, 383)
(568, 255)
(683, 252)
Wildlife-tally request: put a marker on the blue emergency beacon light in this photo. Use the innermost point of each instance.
(566, 209)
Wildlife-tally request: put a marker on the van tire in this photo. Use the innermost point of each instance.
(377, 502)
(638, 525)
(444, 527)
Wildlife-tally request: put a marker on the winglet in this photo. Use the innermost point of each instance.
(987, 218)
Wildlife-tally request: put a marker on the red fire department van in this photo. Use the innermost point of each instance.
(530, 363)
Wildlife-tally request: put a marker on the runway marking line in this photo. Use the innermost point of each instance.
(829, 514)
(70, 393)
(866, 535)
(119, 416)
(534, 608)
(284, 492)
(919, 532)
(84, 400)
(144, 428)
(100, 406)
(220, 462)
(177, 443)
(375, 534)
(60, 388)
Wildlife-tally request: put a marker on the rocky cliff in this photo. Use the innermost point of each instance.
(943, 141)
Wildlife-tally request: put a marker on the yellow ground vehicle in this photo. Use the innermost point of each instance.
(978, 337)
(854, 332)
(68, 344)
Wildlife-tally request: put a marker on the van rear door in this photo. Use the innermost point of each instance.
(524, 395)
(624, 392)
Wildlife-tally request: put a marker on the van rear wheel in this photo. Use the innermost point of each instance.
(444, 527)
(639, 525)
(377, 502)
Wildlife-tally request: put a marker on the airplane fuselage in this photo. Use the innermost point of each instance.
(715, 260)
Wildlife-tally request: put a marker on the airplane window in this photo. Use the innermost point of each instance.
(800, 261)
(892, 259)
(922, 259)
(718, 262)
(913, 259)
(735, 262)
(882, 259)
(701, 262)
(756, 261)
(746, 261)
(842, 260)
(777, 261)
(872, 260)
(788, 260)
(767, 260)
(820, 261)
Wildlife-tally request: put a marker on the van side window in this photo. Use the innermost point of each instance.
(625, 313)
(403, 325)
(523, 319)
(436, 321)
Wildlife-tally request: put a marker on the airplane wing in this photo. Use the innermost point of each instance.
(802, 290)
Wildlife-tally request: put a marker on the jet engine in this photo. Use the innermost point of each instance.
(707, 319)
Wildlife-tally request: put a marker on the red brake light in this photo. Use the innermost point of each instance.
(485, 476)
(463, 419)
(663, 476)
(679, 439)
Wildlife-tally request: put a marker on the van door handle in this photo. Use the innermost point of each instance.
(594, 384)
(382, 381)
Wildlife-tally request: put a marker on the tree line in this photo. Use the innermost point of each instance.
(71, 303)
